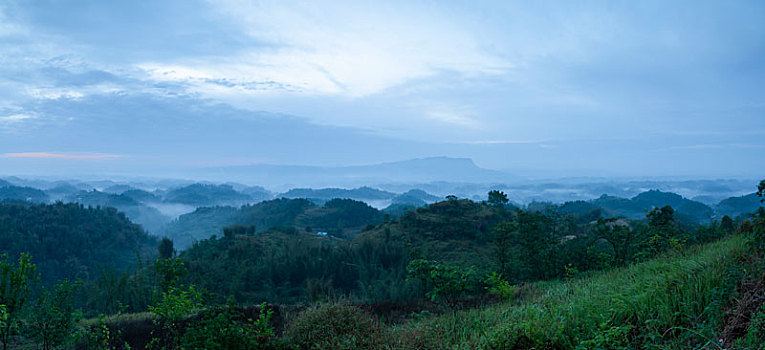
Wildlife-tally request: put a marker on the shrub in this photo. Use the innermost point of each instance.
(54, 321)
(499, 287)
(336, 326)
(224, 329)
(441, 280)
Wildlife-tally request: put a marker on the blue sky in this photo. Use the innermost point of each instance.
(561, 88)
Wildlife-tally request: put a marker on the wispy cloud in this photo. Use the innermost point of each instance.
(307, 47)
(15, 118)
(500, 142)
(60, 155)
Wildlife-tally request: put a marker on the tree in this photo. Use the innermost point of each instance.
(502, 236)
(54, 319)
(497, 198)
(663, 232)
(533, 236)
(169, 272)
(15, 287)
(165, 248)
(174, 304)
(618, 235)
(761, 191)
(727, 225)
(442, 281)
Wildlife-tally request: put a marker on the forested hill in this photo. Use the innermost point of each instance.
(289, 264)
(687, 211)
(148, 217)
(735, 206)
(346, 217)
(26, 194)
(338, 217)
(70, 240)
(202, 194)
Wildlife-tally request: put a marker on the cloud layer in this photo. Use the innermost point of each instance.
(659, 87)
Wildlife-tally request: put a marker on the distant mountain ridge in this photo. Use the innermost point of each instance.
(413, 170)
(360, 193)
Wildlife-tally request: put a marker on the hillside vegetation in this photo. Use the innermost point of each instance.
(72, 241)
(339, 217)
(452, 274)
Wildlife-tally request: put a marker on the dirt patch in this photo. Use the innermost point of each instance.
(751, 295)
(138, 333)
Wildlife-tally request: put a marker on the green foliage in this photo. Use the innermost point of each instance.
(755, 334)
(165, 248)
(206, 195)
(54, 321)
(175, 305)
(570, 271)
(442, 281)
(148, 217)
(205, 222)
(169, 272)
(69, 241)
(25, 194)
(620, 236)
(230, 231)
(499, 287)
(3, 316)
(100, 337)
(533, 239)
(497, 198)
(225, 329)
(15, 288)
(674, 302)
(503, 245)
(336, 326)
(609, 338)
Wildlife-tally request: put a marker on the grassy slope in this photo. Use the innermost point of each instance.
(673, 301)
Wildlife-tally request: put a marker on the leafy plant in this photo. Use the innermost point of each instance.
(100, 337)
(500, 287)
(15, 287)
(54, 321)
(442, 281)
(224, 329)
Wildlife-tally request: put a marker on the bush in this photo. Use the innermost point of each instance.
(442, 281)
(224, 329)
(499, 287)
(336, 326)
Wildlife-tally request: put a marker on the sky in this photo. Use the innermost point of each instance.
(602, 88)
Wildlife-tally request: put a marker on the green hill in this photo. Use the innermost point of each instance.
(340, 217)
(141, 196)
(206, 195)
(674, 302)
(150, 218)
(70, 240)
(637, 207)
(735, 206)
(361, 193)
(25, 194)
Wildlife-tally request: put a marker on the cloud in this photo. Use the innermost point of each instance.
(332, 49)
(453, 117)
(500, 142)
(60, 155)
(15, 118)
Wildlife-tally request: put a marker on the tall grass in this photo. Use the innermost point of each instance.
(674, 301)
